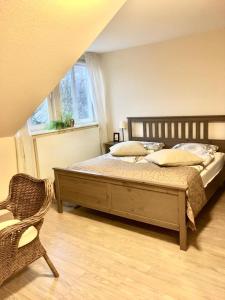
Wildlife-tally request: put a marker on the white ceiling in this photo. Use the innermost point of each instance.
(141, 22)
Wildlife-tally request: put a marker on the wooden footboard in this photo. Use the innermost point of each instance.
(153, 204)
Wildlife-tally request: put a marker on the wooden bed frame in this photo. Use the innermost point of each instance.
(160, 205)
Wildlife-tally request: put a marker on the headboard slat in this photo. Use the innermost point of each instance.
(157, 130)
(190, 130)
(144, 130)
(183, 130)
(198, 130)
(169, 130)
(150, 129)
(176, 132)
(206, 129)
(163, 130)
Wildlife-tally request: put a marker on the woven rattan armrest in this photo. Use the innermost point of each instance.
(5, 203)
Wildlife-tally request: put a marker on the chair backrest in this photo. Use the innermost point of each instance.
(27, 196)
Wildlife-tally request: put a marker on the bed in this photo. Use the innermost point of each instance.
(163, 204)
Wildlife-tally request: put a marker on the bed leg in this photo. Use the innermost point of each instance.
(182, 221)
(183, 239)
(59, 205)
(57, 194)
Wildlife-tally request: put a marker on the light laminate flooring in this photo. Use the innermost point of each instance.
(103, 257)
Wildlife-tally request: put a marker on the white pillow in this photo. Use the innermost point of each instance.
(174, 157)
(197, 147)
(205, 151)
(130, 148)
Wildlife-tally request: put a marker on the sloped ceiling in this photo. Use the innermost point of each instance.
(141, 22)
(39, 42)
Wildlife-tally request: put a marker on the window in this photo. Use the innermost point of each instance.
(40, 118)
(84, 106)
(75, 95)
(71, 99)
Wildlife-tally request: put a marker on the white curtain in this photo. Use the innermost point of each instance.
(98, 94)
(54, 107)
(25, 152)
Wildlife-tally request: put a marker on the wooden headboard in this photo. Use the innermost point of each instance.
(174, 130)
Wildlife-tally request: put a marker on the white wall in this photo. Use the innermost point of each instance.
(8, 164)
(64, 149)
(184, 76)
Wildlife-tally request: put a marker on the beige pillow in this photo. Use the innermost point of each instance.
(130, 148)
(174, 157)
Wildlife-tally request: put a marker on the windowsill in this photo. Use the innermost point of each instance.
(64, 130)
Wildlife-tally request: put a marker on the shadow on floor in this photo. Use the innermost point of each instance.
(205, 217)
(18, 281)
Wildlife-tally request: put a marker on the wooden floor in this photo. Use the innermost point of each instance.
(103, 257)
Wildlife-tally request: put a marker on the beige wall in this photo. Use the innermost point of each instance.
(8, 164)
(60, 149)
(184, 76)
(40, 41)
(64, 149)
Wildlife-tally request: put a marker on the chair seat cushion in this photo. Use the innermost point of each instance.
(5, 215)
(4, 211)
(28, 236)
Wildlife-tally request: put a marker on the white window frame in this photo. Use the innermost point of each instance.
(55, 106)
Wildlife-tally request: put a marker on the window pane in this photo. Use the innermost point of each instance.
(75, 95)
(41, 115)
(84, 105)
(66, 95)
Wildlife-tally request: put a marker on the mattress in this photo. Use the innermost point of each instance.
(213, 168)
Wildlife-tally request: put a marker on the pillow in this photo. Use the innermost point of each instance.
(205, 151)
(196, 147)
(130, 148)
(174, 157)
(153, 146)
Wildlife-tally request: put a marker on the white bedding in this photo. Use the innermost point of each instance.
(213, 168)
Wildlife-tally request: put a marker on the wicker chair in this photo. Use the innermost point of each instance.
(28, 200)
